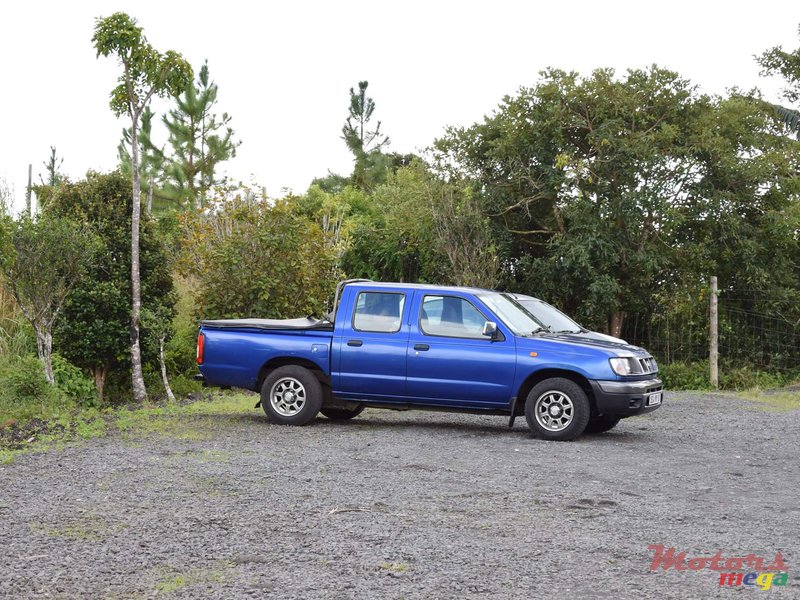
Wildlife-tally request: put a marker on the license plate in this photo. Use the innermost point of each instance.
(654, 399)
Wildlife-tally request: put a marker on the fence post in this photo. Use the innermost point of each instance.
(713, 355)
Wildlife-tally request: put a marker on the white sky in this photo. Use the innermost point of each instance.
(284, 68)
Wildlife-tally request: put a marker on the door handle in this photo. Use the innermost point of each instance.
(354, 343)
(421, 347)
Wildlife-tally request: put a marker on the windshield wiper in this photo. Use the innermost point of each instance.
(542, 328)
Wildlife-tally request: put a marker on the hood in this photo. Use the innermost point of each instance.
(590, 341)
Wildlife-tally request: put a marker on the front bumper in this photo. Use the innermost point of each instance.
(625, 398)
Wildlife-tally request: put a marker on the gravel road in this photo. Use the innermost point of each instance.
(405, 505)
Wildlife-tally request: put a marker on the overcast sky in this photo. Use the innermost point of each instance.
(284, 68)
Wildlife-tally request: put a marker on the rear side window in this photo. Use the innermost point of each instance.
(379, 312)
(450, 316)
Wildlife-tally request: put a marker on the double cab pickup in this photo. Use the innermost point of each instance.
(413, 346)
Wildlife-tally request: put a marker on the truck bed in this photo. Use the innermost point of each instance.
(307, 323)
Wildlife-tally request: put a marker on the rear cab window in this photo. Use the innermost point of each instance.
(378, 312)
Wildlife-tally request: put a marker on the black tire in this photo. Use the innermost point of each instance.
(291, 395)
(342, 414)
(602, 424)
(557, 409)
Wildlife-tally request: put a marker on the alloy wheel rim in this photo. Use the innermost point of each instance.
(287, 396)
(554, 410)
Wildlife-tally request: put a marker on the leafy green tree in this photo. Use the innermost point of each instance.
(250, 258)
(581, 176)
(42, 261)
(777, 61)
(145, 73)
(200, 141)
(392, 232)
(366, 144)
(93, 332)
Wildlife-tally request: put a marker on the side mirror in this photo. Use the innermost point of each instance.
(490, 329)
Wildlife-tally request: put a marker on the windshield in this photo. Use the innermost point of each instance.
(550, 316)
(514, 316)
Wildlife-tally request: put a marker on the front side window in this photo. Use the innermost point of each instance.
(378, 312)
(450, 316)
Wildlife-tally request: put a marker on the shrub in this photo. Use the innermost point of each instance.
(73, 383)
(22, 381)
(685, 376)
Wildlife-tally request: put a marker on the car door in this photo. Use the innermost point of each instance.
(450, 362)
(373, 344)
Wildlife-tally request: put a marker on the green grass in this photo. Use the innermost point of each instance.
(193, 422)
(394, 567)
(88, 529)
(781, 401)
(172, 581)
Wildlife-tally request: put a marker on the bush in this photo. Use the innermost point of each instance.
(694, 376)
(22, 381)
(73, 382)
(685, 376)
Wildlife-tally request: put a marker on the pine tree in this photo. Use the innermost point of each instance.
(365, 144)
(199, 139)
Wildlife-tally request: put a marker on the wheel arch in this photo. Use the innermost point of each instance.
(548, 373)
(283, 361)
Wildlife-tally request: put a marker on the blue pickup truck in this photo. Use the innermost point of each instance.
(412, 346)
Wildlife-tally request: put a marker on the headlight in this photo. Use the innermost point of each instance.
(621, 366)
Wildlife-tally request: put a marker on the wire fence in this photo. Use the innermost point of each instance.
(751, 332)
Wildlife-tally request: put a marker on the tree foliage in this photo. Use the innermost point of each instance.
(777, 61)
(42, 260)
(250, 258)
(145, 73)
(366, 144)
(598, 185)
(94, 329)
(200, 140)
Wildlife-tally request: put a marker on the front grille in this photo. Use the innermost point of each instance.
(648, 365)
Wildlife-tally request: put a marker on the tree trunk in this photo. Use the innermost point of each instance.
(168, 389)
(137, 377)
(44, 348)
(617, 320)
(150, 196)
(100, 381)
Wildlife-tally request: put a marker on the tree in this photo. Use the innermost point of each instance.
(776, 61)
(52, 166)
(364, 143)
(581, 177)
(253, 259)
(145, 73)
(94, 328)
(45, 258)
(200, 141)
(464, 233)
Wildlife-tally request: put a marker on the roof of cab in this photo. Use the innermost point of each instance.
(416, 286)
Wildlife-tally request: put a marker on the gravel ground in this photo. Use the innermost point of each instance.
(405, 505)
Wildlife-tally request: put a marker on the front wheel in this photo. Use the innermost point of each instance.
(291, 395)
(557, 409)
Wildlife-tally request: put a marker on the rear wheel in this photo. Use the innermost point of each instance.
(557, 409)
(341, 414)
(291, 395)
(602, 424)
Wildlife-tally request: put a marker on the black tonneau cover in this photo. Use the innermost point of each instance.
(295, 324)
